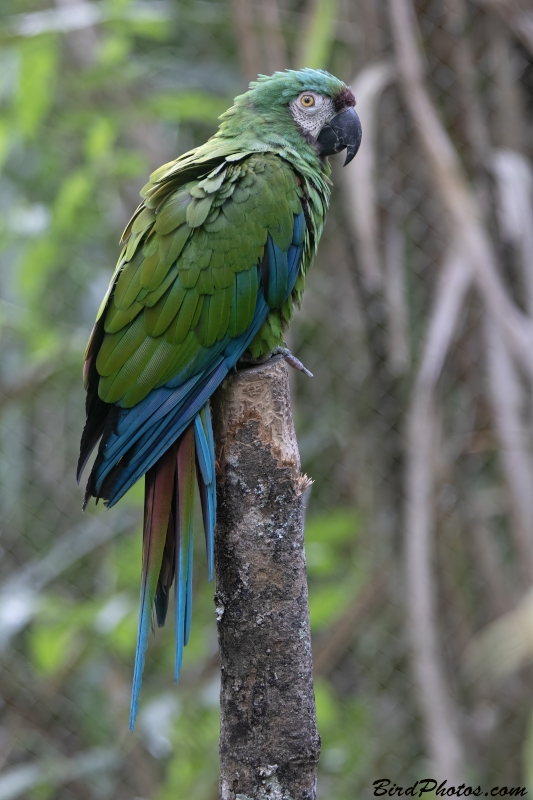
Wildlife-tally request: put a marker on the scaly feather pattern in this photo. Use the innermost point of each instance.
(213, 260)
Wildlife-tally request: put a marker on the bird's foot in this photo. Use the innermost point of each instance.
(291, 360)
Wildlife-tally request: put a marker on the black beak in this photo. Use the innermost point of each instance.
(343, 131)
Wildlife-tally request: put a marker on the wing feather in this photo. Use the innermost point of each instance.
(191, 281)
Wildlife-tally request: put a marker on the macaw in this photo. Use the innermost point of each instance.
(213, 261)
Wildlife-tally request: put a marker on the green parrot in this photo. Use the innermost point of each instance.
(213, 261)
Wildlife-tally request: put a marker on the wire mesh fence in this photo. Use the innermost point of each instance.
(416, 428)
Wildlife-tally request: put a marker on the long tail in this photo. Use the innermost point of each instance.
(168, 536)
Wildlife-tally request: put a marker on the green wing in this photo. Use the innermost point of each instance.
(187, 276)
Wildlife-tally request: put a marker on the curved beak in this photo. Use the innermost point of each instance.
(343, 131)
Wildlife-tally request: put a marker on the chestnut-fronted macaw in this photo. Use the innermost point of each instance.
(213, 261)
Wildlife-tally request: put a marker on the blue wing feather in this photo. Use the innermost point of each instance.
(294, 257)
(298, 232)
(205, 452)
(202, 446)
(278, 274)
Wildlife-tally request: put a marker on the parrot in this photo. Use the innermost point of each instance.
(213, 262)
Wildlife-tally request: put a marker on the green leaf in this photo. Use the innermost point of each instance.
(5, 140)
(320, 34)
(44, 791)
(39, 259)
(333, 527)
(326, 704)
(50, 646)
(37, 81)
(100, 138)
(72, 196)
(129, 163)
(114, 50)
(125, 559)
(157, 29)
(327, 602)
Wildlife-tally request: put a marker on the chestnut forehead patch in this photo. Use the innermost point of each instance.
(343, 99)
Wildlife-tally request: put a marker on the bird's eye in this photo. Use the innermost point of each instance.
(307, 100)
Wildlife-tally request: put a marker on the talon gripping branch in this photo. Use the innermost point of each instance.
(213, 261)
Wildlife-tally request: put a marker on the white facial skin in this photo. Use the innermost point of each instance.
(311, 111)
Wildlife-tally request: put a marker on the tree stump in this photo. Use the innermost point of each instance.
(269, 743)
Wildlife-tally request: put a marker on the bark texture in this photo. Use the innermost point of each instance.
(269, 744)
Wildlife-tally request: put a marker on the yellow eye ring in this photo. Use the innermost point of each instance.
(307, 100)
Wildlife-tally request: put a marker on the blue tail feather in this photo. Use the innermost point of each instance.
(142, 644)
(205, 453)
(180, 604)
(185, 502)
(202, 448)
(188, 593)
(211, 495)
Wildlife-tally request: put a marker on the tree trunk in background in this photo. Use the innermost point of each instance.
(269, 744)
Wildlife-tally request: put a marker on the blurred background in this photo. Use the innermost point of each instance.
(417, 427)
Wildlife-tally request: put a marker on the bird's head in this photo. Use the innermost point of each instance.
(312, 102)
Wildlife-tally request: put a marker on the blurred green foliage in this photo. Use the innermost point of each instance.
(93, 97)
(85, 115)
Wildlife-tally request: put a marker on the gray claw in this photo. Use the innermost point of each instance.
(292, 360)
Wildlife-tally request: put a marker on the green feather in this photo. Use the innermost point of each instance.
(198, 210)
(172, 213)
(214, 318)
(243, 301)
(171, 246)
(128, 284)
(154, 196)
(151, 244)
(188, 350)
(223, 277)
(205, 283)
(127, 230)
(118, 347)
(183, 322)
(152, 372)
(116, 386)
(215, 222)
(116, 319)
(151, 298)
(213, 182)
(154, 272)
(232, 212)
(158, 318)
(241, 194)
(189, 276)
(133, 242)
(143, 221)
